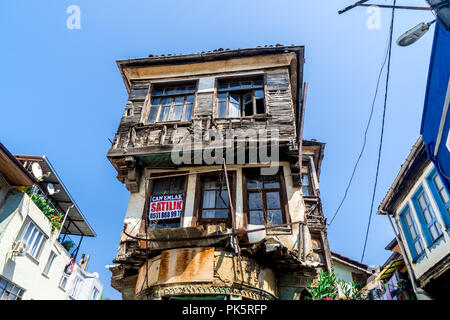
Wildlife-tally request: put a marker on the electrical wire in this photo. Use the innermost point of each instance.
(382, 130)
(365, 135)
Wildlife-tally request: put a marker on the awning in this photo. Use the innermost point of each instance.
(389, 270)
(75, 223)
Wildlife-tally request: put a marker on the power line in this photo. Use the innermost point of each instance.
(365, 135)
(382, 129)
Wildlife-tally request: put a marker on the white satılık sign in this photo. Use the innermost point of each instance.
(166, 207)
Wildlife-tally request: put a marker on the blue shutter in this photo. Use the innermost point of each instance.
(437, 198)
(409, 240)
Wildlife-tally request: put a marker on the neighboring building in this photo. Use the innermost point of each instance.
(349, 270)
(83, 285)
(33, 250)
(198, 212)
(435, 128)
(420, 204)
(393, 281)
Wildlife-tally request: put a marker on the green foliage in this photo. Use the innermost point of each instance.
(327, 287)
(47, 210)
(68, 244)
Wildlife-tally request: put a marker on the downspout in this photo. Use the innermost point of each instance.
(420, 294)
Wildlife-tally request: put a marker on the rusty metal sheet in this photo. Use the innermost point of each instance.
(187, 265)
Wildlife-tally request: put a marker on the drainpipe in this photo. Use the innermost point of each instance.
(420, 293)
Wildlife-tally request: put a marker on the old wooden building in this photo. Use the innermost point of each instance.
(209, 146)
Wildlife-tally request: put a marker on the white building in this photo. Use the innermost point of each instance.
(420, 205)
(82, 285)
(33, 251)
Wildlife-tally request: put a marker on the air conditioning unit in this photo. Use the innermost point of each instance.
(19, 248)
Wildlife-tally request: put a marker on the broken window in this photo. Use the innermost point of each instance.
(166, 203)
(214, 203)
(240, 98)
(265, 200)
(172, 103)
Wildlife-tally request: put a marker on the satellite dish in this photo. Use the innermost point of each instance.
(50, 189)
(414, 34)
(36, 170)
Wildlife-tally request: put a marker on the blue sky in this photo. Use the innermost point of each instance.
(61, 94)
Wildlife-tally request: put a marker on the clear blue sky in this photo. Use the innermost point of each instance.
(62, 95)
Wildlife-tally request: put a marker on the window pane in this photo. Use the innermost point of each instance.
(179, 100)
(156, 101)
(246, 85)
(222, 199)
(256, 217)
(271, 182)
(223, 85)
(257, 83)
(152, 116)
(259, 94)
(254, 201)
(208, 199)
(169, 91)
(235, 106)
(164, 114)
(158, 91)
(188, 112)
(274, 218)
(190, 88)
(33, 251)
(161, 187)
(222, 96)
(235, 85)
(273, 200)
(208, 214)
(176, 114)
(221, 214)
(167, 101)
(222, 112)
(190, 99)
(180, 89)
(254, 182)
(27, 233)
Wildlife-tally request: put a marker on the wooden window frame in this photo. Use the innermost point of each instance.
(306, 164)
(241, 92)
(162, 175)
(165, 85)
(284, 204)
(199, 199)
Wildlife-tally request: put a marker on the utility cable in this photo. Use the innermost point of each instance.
(365, 135)
(382, 130)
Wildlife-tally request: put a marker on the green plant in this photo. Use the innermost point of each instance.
(327, 287)
(47, 210)
(353, 291)
(324, 288)
(68, 244)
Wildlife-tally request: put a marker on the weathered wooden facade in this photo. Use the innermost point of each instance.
(203, 219)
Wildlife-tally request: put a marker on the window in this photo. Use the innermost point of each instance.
(240, 98)
(164, 191)
(63, 282)
(307, 188)
(95, 293)
(75, 288)
(412, 236)
(427, 218)
(33, 238)
(51, 257)
(9, 291)
(265, 198)
(172, 103)
(215, 204)
(440, 194)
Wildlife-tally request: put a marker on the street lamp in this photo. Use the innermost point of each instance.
(414, 34)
